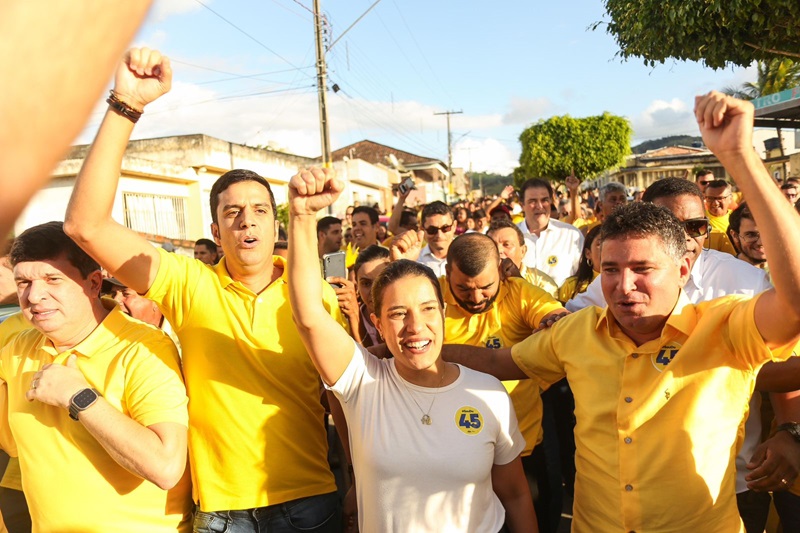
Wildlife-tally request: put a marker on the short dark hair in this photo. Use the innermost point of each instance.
(436, 208)
(535, 183)
(702, 172)
(716, 184)
(281, 245)
(736, 216)
(396, 270)
(502, 223)
(370, 212)
(208, 243)
(472, 252)
(326, 222)
(48, 241)
(478, 214)
(237, 175)
(368, 254)
(408, 219)
(670, 188)
(644, 219)
(789, 185)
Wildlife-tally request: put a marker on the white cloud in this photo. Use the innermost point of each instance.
(163, 9)
(527, 110)
(485, 155)
(663, 118)
(289, 121)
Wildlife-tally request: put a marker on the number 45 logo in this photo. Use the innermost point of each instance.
(665, 356)
(469, 420)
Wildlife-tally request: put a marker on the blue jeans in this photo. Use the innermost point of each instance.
(317, 514)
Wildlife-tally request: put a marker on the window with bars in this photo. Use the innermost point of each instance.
(155, 214)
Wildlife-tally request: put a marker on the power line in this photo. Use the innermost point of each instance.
(235, 76)
(240, 30)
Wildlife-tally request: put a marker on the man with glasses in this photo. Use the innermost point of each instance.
(713, 274)
(554, 247)
(440, 229)
(718, 202)
(703, 178)
(745, 236)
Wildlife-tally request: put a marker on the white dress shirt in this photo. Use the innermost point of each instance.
(556, 251)
(714, 274)
(427, 258)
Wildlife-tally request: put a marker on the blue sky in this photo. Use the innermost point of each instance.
(505, 64)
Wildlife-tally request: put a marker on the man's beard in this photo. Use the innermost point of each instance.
(470, 307)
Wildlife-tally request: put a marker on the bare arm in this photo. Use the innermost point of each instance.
(497, 363)
(397, 213)
(727, 127)
(143, 76)
(329, 346)
(776, 462)
(573, 186)
(511, 487)
(156, 453)
(779, 377)
(505, 194)
(55, 65)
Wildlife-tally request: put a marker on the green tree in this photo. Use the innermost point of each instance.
(774, 76)
(716, 32)
(553, 148)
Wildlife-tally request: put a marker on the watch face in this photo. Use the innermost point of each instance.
(794, 431)
(84, 398)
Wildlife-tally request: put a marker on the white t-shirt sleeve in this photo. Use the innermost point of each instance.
(510, 441)
(357, 371)
(593, 295)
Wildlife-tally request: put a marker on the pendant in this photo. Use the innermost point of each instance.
(426, 420)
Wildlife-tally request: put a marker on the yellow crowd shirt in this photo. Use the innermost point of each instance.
(718, 236)
(659, 425)
(12, 478)
(537, 278)
(516, 312)
(70, 481)
(256, 434)
(567, 291)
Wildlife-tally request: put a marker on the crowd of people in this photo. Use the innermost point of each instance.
(480, 360)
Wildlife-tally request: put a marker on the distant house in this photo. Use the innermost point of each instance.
(431, 176)
(639, 171)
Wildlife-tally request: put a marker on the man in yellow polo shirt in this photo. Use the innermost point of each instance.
(257, 443)
(96, 402)
(662, 385)
(718, 199)
(483, 310)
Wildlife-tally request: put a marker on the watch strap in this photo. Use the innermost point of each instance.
(82, 400)
(792, 428)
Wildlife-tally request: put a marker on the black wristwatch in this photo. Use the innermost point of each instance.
(81, 401)
(792, 428)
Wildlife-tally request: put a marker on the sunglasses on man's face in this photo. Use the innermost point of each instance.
(696, 227)
(433, 230)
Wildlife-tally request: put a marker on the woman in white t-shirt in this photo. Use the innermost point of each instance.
(435, 446)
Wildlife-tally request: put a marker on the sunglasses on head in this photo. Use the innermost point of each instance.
(696, 227)
(433, 230)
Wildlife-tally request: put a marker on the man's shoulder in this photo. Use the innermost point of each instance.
(567, 229)
(716, 261)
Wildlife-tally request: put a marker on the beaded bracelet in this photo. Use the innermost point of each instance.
(122, 108)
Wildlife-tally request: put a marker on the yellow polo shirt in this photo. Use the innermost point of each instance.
(12, 478)
(718, 236)
(256, 434)
(659, 425)
(565, 292)
(516, 312)
(70, 481)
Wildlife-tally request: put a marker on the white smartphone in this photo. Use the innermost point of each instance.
(333, 265)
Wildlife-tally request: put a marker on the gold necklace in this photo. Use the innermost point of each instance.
(426, 417)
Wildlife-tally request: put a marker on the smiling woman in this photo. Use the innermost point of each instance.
(408, 413)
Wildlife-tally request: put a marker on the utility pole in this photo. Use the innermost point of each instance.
(449, 151)
(325, 139)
